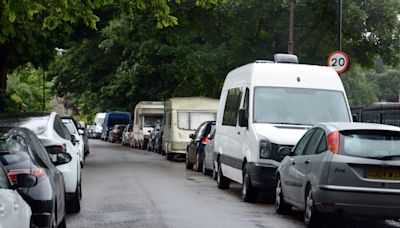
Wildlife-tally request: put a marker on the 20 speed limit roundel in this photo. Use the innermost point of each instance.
(339, 61)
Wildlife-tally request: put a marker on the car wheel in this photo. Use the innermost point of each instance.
(312, 218)
(281, 206)
(74, 205)
(199, 163)
(62, 224)
(189, 165)
(222, 181)
(249, 193)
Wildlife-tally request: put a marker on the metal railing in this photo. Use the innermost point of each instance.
(381, 113)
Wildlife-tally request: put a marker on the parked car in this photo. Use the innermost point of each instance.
(125, 134)
(98, 125)
(113, 118)
(182, 116)
(78, 134)
(153, 134)
(85, 129)
(158, 141)
(209, 155)
(15, 211)
(195, 149)
(349, 169)
(116, 133)
(22, 153)
(49, 128)
(264, 106)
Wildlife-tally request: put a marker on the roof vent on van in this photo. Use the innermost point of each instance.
(286, 58)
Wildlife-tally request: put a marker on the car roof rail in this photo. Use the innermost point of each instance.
(263, 61)
(286, 58)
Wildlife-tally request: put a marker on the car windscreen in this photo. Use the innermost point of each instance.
(71, 127)
(192, 120)
(100, 121)
(114, 119)
(299, 106)
(37, 124)
(370, 143)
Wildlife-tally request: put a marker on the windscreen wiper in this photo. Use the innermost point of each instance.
(387, 157)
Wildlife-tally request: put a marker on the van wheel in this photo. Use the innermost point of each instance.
(189, 165)
(281, 206)
(222, 181)
(312, 218)
(199, 163)
(249, 193)
(214, 173)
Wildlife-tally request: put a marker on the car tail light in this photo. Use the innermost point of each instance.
(55, 149)
(204, 140)
(333, 142)
(12, 173)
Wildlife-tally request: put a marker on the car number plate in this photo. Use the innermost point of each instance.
(385, 174)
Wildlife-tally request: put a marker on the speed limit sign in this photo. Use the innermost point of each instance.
(339, 61)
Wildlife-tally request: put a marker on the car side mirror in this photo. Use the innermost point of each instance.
(149, 131)
(81, 132)
(243, 121)
(74, 140)
(60, 158)
(25, 181)
(285, 151)
(191, 136)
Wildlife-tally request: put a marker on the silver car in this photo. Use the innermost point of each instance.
(348, 169)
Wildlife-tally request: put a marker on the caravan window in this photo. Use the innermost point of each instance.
(192, 120)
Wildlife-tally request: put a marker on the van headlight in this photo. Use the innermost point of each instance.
(265, 148)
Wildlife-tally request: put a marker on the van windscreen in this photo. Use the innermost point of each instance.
(299, 106)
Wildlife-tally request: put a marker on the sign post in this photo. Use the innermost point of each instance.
(339, 61)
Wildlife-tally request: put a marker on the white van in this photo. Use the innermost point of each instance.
(98, 124)
(146, 114)
(266, 105)
(182, 116)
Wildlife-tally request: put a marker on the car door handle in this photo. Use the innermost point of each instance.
(293, 163)
(307, 161)
(238, 132)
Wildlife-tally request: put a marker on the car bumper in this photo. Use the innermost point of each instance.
(262, 176)
(358, 201)
(41, 219)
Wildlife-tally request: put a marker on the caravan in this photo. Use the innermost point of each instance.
(146, 115)
(182, 116)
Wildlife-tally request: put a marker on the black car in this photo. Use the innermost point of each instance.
(195, 149)
(21, 152)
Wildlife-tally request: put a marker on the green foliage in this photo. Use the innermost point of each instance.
(25, 90)
(129, 59)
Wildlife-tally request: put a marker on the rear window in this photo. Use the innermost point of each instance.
(192, 120)
(371, 144)
(71, 127)
(37, 124)
(13, 149)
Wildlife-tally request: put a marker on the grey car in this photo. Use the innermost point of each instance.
(350, 169)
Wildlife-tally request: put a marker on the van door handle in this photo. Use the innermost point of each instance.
(238, 132)
(293, 163)
(307, 161)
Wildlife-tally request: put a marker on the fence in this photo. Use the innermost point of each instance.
(382, 113)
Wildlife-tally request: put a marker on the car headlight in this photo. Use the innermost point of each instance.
(265, 148)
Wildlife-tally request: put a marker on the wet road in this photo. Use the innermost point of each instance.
(123, 187)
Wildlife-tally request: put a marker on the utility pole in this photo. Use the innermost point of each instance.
(339, 24)
(291, 22)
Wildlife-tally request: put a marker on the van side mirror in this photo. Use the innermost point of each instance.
(243, 121)
(191, 136)
(355, 118)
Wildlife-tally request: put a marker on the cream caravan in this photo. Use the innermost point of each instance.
(182, 116)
